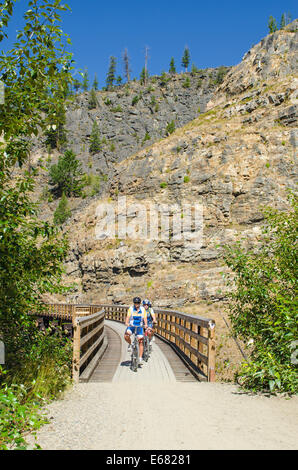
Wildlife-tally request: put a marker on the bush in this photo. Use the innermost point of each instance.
(170, 128)
(62, 213)
(66, 175)
(263, 303)
(163, 185)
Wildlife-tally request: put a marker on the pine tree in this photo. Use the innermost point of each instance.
(62, 213)
(144, 76)
(85, 84)
(77, 85)
(66, 176)
(119, 80)
(272, 25)
(95, 143)
(111, 75)
(127, 70)
(95, 83)
(172, 66)
(186, 58)
(92, 102)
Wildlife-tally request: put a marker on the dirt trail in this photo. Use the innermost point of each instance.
(116, 416)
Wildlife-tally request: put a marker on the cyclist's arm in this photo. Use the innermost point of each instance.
(153, 316)
(127, 319)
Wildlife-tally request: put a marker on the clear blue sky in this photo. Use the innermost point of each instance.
(216, 32)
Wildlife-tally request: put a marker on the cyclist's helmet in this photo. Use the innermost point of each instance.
(136, 300)
(147, 302)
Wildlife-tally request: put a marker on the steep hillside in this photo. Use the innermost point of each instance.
(233, 159)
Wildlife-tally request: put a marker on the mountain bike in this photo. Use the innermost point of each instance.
(135, 351)
(147, 347)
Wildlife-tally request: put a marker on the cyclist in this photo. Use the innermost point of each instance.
(151, 318)
(135, 320)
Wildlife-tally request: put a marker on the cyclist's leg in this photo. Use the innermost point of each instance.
(127, 335)
(140, 336)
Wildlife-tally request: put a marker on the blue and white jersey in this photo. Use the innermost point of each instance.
(136, 316)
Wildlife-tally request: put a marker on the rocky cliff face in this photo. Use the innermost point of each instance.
(134, 116)
(235, 158)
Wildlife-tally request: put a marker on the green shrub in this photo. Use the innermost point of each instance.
(170, 128)
(135, 100)
(62, 213)
(186, 83)
(163, 185)
(117, 109)
(186, 179)
(263, 303)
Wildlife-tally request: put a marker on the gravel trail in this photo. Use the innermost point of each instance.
(115, 416)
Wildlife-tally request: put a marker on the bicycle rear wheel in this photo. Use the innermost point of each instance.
(135, 356)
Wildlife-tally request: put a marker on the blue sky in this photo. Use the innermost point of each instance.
(217, 33)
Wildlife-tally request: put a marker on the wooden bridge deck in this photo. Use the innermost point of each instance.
(163, 366)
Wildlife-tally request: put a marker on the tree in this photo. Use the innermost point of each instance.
(31, 250)
(63, 212)
(172, 69)
(66, 176)
(272, 25)
(263, 302)
(283, 21)
(186, 58)
(144, 76)
(111, 75)
(95, 83)
(127, 69)
(56, 134)
(85, 84)
(92, 101)
(95, 143)
(77, 85)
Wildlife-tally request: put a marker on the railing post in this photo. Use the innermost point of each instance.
(211, 352)
(76, 348)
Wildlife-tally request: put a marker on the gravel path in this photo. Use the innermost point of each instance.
(151, 410)
(116, 416)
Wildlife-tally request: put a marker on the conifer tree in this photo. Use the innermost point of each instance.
(92, 102)
(186, 58)
(172, 66)
(77, 85)
(66, 176)
(95, 143)
(85, 84)
(111, 75)
(63, 212)
(272, 25)
(95, 83)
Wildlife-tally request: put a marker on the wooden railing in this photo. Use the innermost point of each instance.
(89, 344)
(192, 337)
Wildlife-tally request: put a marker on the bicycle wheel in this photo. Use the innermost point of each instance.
(146, 349)
(135, 356)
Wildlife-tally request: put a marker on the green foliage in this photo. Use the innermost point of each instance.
(220, 75)
(92, 101)
(147, 137)
(95, 83)
(144, 76)
(172, 68)
(164, 79)
(185, 58)
(93, 183)
(85, 84)
(163, 184)
(186, 179)
(170, 128)
(62, 213)
(117, 109)
(66, 175)
(135, 100)
(95, 143)
(272, 25)
(56, 133)
(263, 304)
(111, 75)
(186, 83)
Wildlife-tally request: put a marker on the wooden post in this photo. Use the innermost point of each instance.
(211, 352)
(76, 349)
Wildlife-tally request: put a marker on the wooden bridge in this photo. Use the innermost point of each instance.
(184, 348)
